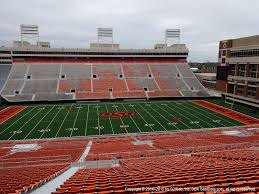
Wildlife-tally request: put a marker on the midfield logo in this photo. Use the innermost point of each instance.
(116, 115)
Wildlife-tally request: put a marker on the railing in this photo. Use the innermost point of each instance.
(161, 152)
(35, 161)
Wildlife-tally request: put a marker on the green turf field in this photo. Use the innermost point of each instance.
(77, 120)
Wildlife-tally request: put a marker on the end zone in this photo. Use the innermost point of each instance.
(9, 112)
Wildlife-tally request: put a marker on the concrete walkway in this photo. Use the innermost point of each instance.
(60, 179)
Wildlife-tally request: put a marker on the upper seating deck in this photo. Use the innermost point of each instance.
(88, 80)
(44, 71)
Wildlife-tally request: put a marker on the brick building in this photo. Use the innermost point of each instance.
(239, 61)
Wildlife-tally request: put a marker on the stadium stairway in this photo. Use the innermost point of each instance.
(26, 165)
(220, 162)
(57, 181)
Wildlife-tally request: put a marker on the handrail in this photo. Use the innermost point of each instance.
(187, 150)
(26, 162)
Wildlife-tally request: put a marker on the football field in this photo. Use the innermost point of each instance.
(91, 119)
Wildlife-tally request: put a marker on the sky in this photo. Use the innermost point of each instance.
(136, 23)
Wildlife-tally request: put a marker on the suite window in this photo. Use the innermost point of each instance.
(251, 91)
(224, 53)
(232, 68)
(240, 90)
(253, 71)
(242, 70)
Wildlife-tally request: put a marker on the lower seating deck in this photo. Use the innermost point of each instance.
(184, 160)
(218, 166)
(23, 169)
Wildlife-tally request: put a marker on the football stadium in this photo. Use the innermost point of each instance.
(109, 120)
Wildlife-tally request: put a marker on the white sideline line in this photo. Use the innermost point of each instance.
(63, 121)
(109, 119)
(38, 122)
(86, 122)
(16, 121)
(25, 123)
(208, 112)
(132, 119)
(4, 109)
(50, 123)
(153, 117)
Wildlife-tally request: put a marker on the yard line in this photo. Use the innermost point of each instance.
(174, 116)
(144, 119)
(26, 123)
(202, 115)
(153, 117)
(75, 121)
(132, 118)
(63, 120)
(208, 112)
(50, 123)
(16, 121)
(109, 119)
(121, 119)
(38, 122)
(86, 122)
(164, 117)
(183, 109)
(98, 120)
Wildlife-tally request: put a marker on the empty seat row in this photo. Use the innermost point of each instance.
(87, 81)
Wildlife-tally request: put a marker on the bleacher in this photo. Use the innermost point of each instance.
(42, 82)
(204, 159)
(4, 72)
(23, 170)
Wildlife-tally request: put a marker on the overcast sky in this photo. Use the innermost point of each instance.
(136, 23)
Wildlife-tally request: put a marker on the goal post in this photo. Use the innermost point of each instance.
(230, 99)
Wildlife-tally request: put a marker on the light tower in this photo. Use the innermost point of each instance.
(29, 32)
(105, 35)
(172, 35)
